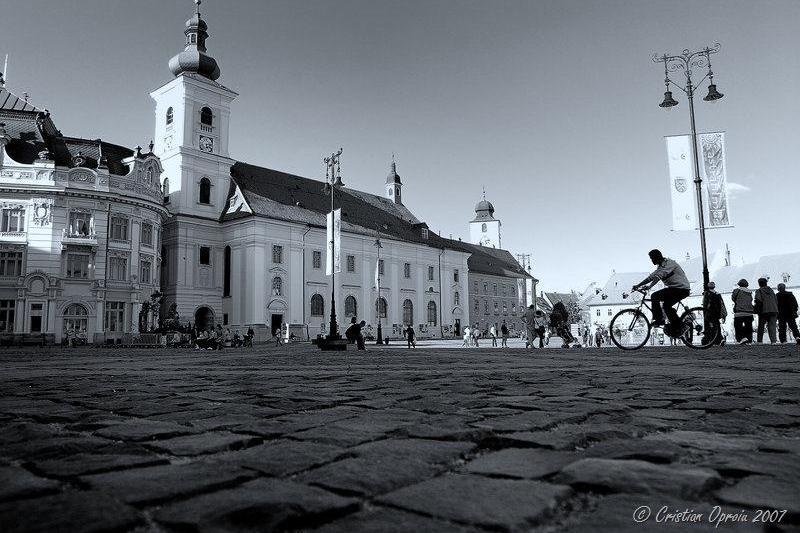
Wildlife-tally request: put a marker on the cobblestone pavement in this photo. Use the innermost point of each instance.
(398, 440)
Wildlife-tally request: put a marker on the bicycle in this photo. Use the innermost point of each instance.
(630, 328)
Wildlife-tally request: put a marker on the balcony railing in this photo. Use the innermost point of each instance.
(13, 236)
(205, 128)
(80, 238)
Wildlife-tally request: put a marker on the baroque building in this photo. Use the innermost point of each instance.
(80, 230)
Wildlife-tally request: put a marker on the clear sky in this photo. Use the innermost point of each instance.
(551, 105)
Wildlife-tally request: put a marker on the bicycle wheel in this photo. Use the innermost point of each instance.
(696, 333)
(629, 329)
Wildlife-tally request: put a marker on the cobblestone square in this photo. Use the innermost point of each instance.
(433, 439)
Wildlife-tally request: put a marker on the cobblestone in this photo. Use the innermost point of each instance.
(395, 440)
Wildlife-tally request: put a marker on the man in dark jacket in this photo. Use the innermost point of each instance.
(715, 313)
(787, 313)
(559, 319)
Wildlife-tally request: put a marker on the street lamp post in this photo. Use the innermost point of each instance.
(333, 179)
(685, 61)
(378, 245)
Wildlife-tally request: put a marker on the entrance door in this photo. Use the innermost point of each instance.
(204, 319)
(277, 320)
(457, 327)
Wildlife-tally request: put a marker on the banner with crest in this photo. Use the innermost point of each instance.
(713, 171)
(681, 183)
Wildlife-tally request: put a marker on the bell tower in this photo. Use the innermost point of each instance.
(394, 188)
(191, 127)
(484, 229)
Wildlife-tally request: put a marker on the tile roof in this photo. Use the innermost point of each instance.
(11, 102)
(616, 287)
(279, 195)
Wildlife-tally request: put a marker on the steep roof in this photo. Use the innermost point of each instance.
(32, 131)
(615, 288)
(282, 196)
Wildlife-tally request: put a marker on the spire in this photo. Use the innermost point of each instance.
(194, 57)
(393, 176)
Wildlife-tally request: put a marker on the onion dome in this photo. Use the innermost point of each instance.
(484, 206)
(194, 57)
(393, 176)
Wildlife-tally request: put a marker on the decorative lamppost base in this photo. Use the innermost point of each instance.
(332, 344)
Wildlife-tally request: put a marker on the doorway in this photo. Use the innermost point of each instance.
(204, 319)
(277, 321)
(457, 327)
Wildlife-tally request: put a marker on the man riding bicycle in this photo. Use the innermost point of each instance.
(676, 288)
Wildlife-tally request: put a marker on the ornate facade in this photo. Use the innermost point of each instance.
(79, 230)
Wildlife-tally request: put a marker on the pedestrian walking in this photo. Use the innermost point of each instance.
(467, 337)
(529, 317)
(598, 337)
(559, 319)
(540, 327)
(475, 334)
(715, 314)
(742, 298)
(504, 335)
(493, 335)
(787, 313)
(766, 306)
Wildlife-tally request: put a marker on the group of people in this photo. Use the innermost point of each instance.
(776, 312)
(216, 338)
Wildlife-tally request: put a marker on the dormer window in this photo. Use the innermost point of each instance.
(170, 115)
(206, 117)
(424, 233)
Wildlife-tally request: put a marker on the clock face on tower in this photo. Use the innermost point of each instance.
(206, 144)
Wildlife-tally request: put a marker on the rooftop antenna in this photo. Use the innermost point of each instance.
(4, 74)
(484, 192)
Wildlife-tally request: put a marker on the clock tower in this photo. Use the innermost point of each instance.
(191, 139)
(191, 133)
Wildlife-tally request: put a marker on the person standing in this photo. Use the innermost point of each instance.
(787, 313)
(743, 312)
(411, 336)
(504, 335)
(467, 337)
(493, 335)
(540, 327)
(715, 313)
(767, 308)
(475, 334)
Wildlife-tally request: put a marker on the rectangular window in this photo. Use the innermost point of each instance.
(430, 273)
(119, 228)
(224, 319)
(205, 255)
(77, 266)
(10, 264)
(147, 234)
(316, 259)
(407, 270)
(13, 220)
(277, 254)
(351, 263)
(380, 267)
(80, 224)
(455, 276)
(118, 268)
(115, 316)
(7, 309)
(146, 272)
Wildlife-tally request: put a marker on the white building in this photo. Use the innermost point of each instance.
(79, 231)
(244, 244)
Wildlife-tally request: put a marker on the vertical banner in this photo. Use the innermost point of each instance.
(333, 261)
(377, 273)
(679, 158)
(713, 167)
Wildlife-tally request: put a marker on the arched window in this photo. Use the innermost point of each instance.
(206, 117)
(75, 318)
(165, 189)
(408, 312)
(380, 307)
(431, 313)
(456, 299)
(205, 191)
(350, 307)
(170, 115)
(317, 305)
(226, 282)
(277, 286)
(148, 176)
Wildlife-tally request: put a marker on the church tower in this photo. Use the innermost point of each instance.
(192, 117)
(394, 188)
(484, 229)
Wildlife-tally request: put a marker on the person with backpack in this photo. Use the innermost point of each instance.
(787, 313)
(743, 312)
